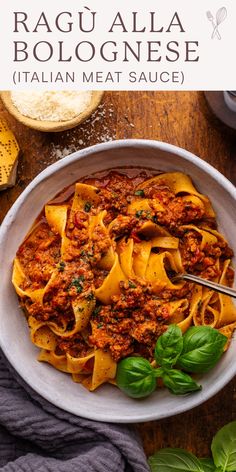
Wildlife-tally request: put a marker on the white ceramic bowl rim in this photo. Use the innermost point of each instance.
(188, 156)
(187, 402)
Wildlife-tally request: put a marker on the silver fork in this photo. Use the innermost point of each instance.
(205, 283)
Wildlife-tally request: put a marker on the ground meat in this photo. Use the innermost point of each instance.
(138, 315)
(178, 212)
(123, 225)
(38, 256)
(75, 345)
(133, 315)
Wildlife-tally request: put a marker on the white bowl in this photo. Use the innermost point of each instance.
(107, 403)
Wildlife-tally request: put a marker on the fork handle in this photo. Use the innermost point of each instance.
(207, 283)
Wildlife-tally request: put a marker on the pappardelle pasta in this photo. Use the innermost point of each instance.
(94, 274)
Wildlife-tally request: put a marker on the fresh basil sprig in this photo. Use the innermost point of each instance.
(207, 465)
(169, 347)
(135, 377)
(168, 459)
(223, 449)
(202, 348)
(196, 351)
(178, 382)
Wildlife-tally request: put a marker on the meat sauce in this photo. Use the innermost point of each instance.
(133, 320)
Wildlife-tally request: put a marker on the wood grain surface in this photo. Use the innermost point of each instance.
(180, 118)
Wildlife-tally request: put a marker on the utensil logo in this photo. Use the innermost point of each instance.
(220, 17)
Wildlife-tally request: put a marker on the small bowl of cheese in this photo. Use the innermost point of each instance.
(51, 111)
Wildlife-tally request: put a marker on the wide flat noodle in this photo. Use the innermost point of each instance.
(138, 205)
(41, 334)
(57, 361)
(96, 223)
(103, 371)
(207, 238)
(228, 331)
(84, 194)
(193, 311)
(179, 183)
(165, 242)
(19, 278)
(56, 216)
(141, 256)
(157, 274)
(177, 310)
(76, 365)
(151, 230)
(111, 284)
(83, 308)
(227, 307)
(125, 251)
(104, 256)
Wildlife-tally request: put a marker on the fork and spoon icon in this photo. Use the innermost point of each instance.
(220, 17)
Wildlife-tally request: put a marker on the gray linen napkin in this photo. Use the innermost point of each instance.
(37, 436)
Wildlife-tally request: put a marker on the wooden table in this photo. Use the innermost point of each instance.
(180, 118)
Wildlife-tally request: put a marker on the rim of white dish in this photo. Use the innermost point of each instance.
(66, 161)
(187, 155)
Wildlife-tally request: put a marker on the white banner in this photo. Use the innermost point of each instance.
(118, 45)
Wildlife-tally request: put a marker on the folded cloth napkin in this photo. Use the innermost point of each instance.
(37, 436)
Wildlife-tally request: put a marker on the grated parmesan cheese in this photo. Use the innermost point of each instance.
(51, 105)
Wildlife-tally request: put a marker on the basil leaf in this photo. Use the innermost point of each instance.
(207, 465)
(202, 348)
(223, 448)
(139, 193)
(169, 346)
(175, 460)
(136, 377)
(179, 383)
